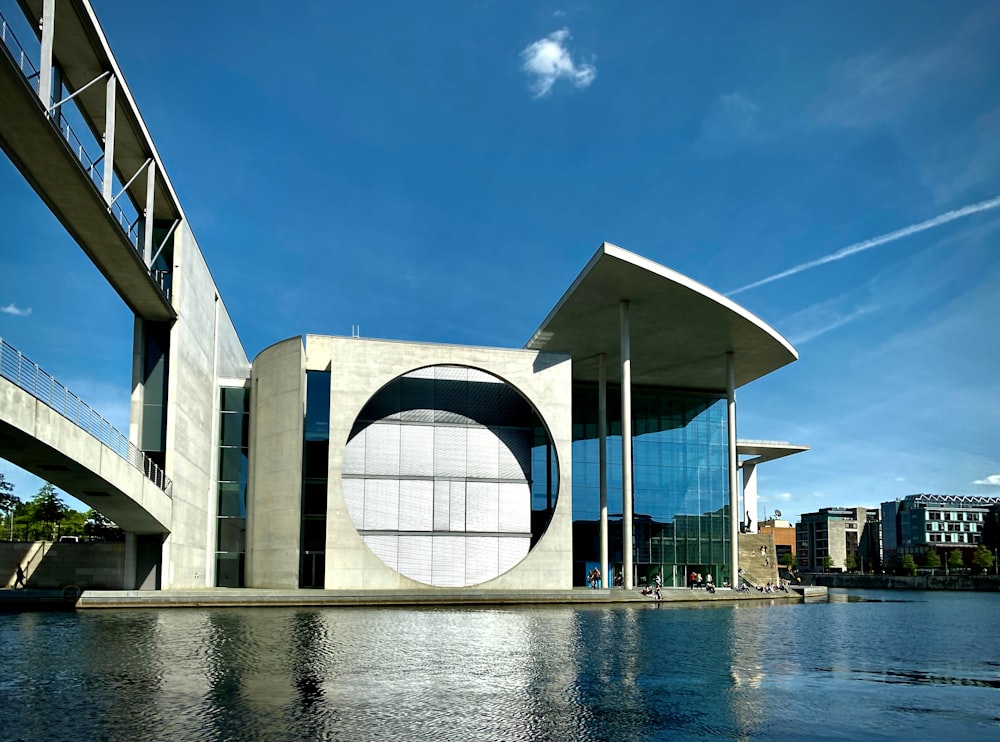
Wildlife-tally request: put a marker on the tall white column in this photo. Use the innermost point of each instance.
(147, 248)
(750, 497)
(626, 443)
(734, 489)
(109, 138)
(45, 60)
(602, 439)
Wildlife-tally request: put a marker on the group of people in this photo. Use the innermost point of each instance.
(655, 589)
(594, 578)
(695, 580)
(771, 588)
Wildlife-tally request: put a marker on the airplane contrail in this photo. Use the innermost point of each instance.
(857, 247)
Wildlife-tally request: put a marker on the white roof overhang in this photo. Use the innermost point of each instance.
(680, 331)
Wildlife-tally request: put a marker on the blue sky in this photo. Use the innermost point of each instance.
(441, 172)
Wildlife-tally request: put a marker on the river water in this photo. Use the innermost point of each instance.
(863, 664)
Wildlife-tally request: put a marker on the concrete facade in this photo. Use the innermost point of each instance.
(358, 370)
(275, 469)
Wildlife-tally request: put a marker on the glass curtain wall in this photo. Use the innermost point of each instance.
(680, 485)
(230, 552)
(315, 468)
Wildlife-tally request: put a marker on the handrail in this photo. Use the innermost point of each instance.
(126, 223)
(30, 377)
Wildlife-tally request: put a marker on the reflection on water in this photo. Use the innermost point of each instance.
(892, 665)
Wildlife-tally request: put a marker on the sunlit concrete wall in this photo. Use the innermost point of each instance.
(359, 368)
(52, 565)
(274, 492)
(204, 347)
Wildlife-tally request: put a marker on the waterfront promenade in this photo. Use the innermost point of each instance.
(246, 597)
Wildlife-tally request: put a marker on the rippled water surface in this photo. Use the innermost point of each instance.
(877, 665)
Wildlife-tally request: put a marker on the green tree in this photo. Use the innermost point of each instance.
(908, 565)
(851, 562)
(982, 558)
(73, 523)
(932, 559)
(788, 559)
(955, 558)
(48, 510)
(8, 504)
(827, 563)
(100, 527)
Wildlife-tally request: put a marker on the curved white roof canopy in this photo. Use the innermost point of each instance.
(680, 331)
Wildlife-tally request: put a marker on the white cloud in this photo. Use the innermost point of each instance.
(548, 60)
(993, 480)
(15, 310)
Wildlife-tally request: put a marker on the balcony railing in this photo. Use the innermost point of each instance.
(31, 378)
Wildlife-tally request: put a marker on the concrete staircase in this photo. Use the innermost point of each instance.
(757, 558)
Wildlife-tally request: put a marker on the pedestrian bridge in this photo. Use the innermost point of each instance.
(49, 431)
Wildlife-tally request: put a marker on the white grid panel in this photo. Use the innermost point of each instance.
(354, 454)
(482, 377)
(382, 449)
(450, 451)
(415, 558)
(515, 454)
(354, 498)
(442, 506)
(449, 561)
(484, 454)
(385, 548)
(481, 559)
(512, 551)
(416, 451)
(515, 508)
(482, 506)
(451, 373)
(416, 505)
(456, 518)
(381, 505)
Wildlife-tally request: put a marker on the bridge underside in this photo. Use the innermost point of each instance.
(40, 440)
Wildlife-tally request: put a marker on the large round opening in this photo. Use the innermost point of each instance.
(450, 475)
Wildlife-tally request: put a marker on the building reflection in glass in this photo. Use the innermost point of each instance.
(680, 482)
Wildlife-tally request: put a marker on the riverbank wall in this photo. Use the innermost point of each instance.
(51, 565)
(979, 583)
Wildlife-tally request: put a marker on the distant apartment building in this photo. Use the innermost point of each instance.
(919, 523)
(784, 537)
(848, 536)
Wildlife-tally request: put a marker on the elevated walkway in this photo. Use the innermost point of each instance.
(54, 435)
(68, 174)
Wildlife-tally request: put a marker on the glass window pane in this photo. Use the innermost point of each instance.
(231, 534)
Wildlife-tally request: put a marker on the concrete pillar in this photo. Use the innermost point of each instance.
(45, 60)
(147, 248)
(626, 442)
(734, 490)
(131, 555)
(111, 93)
(602, 438)
(750, 497)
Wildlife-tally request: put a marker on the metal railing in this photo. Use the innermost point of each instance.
(30, 377)
(126, 222)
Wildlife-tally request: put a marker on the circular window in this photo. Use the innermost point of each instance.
(449, 475)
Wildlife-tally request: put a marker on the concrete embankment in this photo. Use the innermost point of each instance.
(234, 597)
(983, 583)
